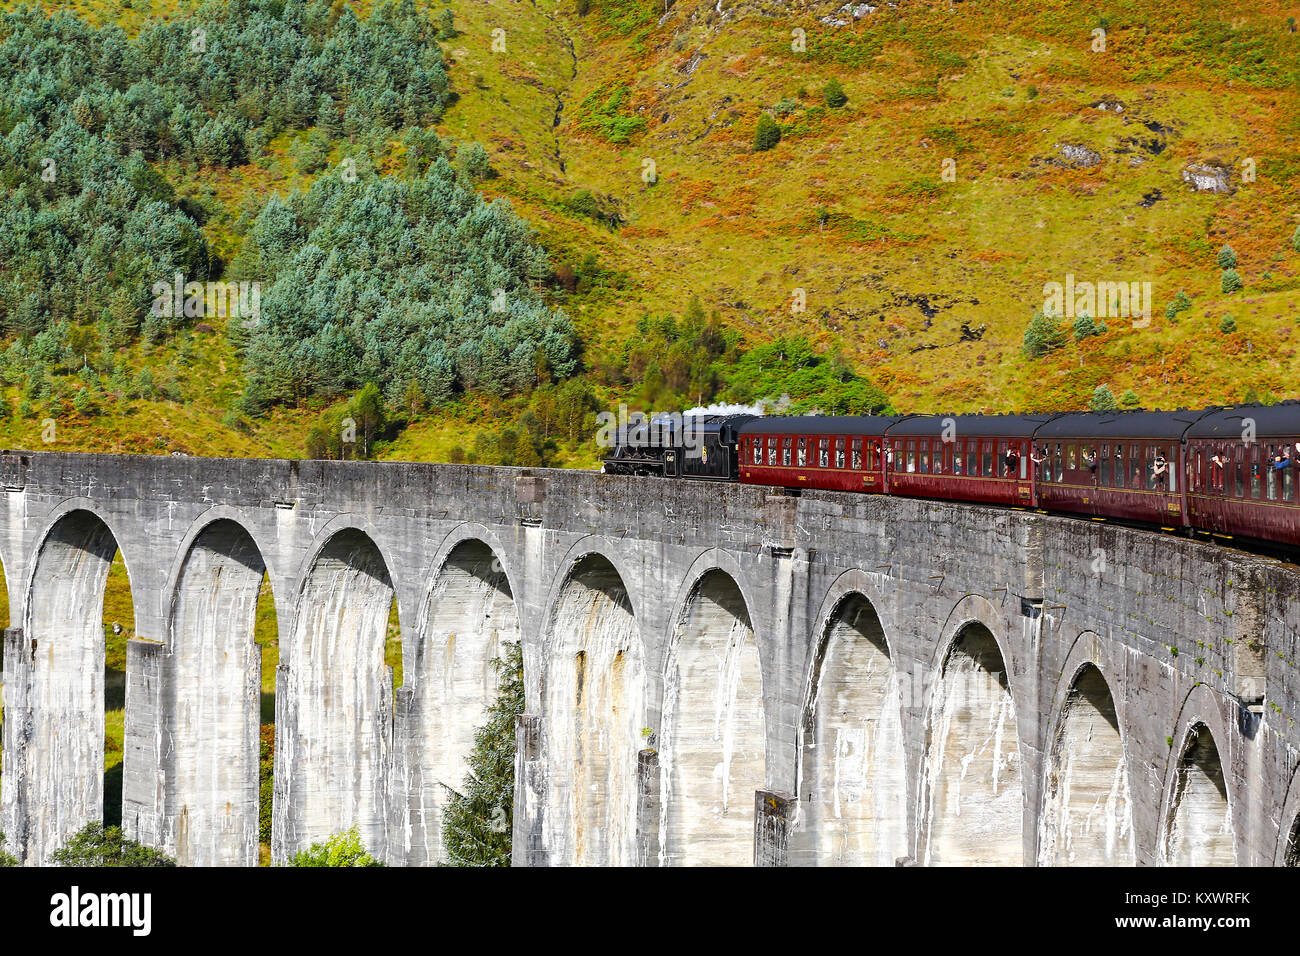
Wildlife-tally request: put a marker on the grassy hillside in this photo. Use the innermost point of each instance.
(852, 207)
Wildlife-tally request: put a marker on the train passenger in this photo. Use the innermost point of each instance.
(1160, 471)
(1091, 460)
(1012, 462)
(1217, 463)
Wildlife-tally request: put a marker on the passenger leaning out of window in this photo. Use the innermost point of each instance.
(1160, 471)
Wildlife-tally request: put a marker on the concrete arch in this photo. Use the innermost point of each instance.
(604, 547)
(1198, 817)
(266, 549)
(61, 764)
(468, 618)
(713, 748)
(4, 592)
(595, 704)
(212, 699)
(972, 790)
(408, 604)
(1288, 837)
(333, 732)
(852, 778)
(1087, 817)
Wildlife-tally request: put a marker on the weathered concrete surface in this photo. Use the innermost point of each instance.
(927, 682)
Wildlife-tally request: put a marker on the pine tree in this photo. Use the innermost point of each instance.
(1043, 334)
(477, 821)
(1103, 400)
(767, 134)
(834, 95)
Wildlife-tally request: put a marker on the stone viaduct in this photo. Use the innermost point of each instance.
(714, 673)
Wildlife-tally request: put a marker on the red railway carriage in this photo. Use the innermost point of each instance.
(1127, 466)
(981, 458)
(837, 452)
(1242, 474)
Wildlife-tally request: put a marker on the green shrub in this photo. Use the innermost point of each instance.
(1227, 259)
(1181, 303)
(1295, 239)
(96, 846)
(834, 95)
(342, 849)
(1228, 325)
(447, 25)
(266, 783)
(767, 134)
(1230, 281)
(1043, 334)
(1085, 326)
(1130, 399)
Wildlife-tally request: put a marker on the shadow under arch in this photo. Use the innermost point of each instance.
(333, 734)
(853, 787)
(1199, 829)
(470, 617)
(62, 762)
(713, 749)
(212, 700)
(1087, 811)
(973, 813)
(595, 709)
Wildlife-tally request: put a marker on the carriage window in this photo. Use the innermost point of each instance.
(989, 471)
(758, 451)
(1071, 462)
(1270, 471)
(923, 461)
(823, 454)
(1024, 460)
(771, 451)
(1254, 471)
(957, 451)
(802, 458)
(1103, 466)
(785, 452)
(1059, 466)
(972, 459)
(857, 453)
(1288, 483)
(839, 453)
(1171, 468)
(911, 455)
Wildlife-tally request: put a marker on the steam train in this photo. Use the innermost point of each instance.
(1226, 472)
